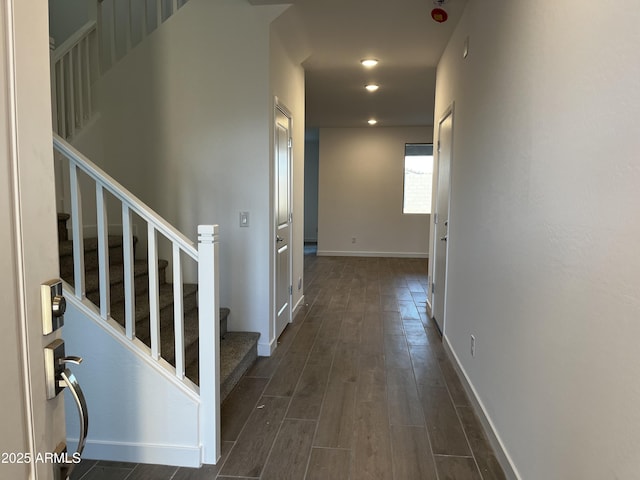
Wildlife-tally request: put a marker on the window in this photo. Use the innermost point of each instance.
(418, 174)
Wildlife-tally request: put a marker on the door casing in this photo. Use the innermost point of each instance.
(282, 219)
(442, 218)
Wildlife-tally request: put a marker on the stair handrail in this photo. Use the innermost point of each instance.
(60, 50)
(125, 196)
(72, 76)
(206, 257)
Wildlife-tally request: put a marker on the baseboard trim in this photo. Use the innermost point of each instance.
(336, 253)
(177, 455)
(297, 307)
(266, 349)
(503, 457)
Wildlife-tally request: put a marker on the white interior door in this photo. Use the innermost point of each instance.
(283, 220)
(445, 137)
(32, 426)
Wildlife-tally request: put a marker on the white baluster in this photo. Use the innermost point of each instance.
(87, 76)
(127, 260)
(209, 330)
(61, 96)
(79, 114)
(114, 33)
(76, 231)
(54, 97)
(72, 108)
(128, 26)
(178, 312)
(154, 301)
(103, 252)
(158, 13)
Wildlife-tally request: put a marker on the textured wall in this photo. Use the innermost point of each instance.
(544, 230)
(360, 193)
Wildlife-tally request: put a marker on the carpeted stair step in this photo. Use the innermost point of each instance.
(116, 279)
(63, 233)
(238, 351)
(165, 301)
(90, 254)
(224, 315)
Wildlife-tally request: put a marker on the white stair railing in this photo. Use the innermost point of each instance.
(71, 81)
(125, 23)
(206, 257)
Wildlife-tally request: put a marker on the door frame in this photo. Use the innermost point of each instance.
(279, 106)
(449, 112)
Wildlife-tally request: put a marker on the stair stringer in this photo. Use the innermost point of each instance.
(138, 410)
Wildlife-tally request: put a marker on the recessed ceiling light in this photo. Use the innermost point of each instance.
(369, 62)
(371, 87)
(372, 121)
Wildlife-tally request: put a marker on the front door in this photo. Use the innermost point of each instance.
(445, 138)
(32, 426)
(282, 219)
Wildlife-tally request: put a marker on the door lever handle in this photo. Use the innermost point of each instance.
(443, 239)
(68, 379)
(72, 359)
(279, 239)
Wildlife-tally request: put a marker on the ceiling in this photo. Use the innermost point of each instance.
(399, 33)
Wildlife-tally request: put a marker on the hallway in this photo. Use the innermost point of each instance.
(359, 387)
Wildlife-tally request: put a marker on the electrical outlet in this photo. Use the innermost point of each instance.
(353, 239)
(473, 345)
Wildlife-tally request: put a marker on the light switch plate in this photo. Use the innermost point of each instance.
(244, 219)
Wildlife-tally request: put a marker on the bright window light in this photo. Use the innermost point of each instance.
(418, 177)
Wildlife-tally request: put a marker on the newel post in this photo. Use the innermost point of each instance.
(209, 327)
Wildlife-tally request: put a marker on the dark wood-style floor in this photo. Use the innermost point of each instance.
(358, 388)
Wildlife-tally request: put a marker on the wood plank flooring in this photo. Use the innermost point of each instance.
(358, 388)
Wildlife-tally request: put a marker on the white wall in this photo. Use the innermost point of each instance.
(185, 125)
(360, 193)
(125, 398)
(544, 230)
(311, 177)
(66, 17)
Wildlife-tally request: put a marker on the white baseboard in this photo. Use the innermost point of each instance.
(297, 307)
(266, 349)
(348, 253)
(503, 457)
(177, 455)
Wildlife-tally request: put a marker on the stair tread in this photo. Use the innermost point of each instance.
(238, 350)
(116, 274)
(165, 299)
(65, 247)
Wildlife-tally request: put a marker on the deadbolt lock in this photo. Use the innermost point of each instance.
(53, 306)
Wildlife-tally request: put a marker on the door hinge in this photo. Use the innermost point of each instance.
(290, 217)
(435, 218)
(290, 289)
(433, 288)
(290, 142)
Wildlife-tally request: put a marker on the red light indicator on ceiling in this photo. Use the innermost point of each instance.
(439, 15)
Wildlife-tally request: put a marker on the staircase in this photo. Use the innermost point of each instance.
(238, 350)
